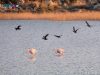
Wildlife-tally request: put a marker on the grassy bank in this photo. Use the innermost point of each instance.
(87, 15)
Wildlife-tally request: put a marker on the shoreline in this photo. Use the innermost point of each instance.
(84, 15)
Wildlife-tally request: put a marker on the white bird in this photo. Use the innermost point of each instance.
(32, 52)
(60, 51)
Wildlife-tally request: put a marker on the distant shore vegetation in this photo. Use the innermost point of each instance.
(41, 6)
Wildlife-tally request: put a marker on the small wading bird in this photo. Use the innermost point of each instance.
(18, 27)
(45, 37)
(58, 36)
(32, 52)
(88, 25)
(59, 51)
(75, 30)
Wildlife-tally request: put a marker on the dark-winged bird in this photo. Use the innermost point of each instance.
(18, 27)
(58, 36)
(87, 24)
(45, 37)
(75, 30)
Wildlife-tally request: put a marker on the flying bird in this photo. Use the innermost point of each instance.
(45, 37)
(88, 24)
(18, 27)
(75, 30)
(58, 36)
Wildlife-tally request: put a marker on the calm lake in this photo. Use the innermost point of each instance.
(81, 50)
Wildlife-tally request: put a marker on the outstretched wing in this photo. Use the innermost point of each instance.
(56, 35)
(87, 24)
(19, 26)
(74, 29)
(77, 29)
(45, 37)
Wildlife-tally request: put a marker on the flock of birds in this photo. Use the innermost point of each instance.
(74, 30)
(59, 51)
(58, 36)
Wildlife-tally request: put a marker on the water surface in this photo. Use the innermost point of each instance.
(82, 50)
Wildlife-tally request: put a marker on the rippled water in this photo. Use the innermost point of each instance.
(82, 50)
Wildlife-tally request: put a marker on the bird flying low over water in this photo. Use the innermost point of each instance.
(88, 25)
(45, 37)
(75, 30)
(18, 27)
(58, 36)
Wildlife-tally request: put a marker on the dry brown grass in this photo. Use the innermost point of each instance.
(87, 15)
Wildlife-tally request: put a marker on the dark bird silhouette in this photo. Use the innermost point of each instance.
(88, 24)
(18, 27)
(45, 37)
(75, 30)
(58, 36)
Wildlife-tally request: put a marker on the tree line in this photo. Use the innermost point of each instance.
(51, 5)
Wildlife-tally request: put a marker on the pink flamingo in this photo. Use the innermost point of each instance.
(32, 52)
(60, 51)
